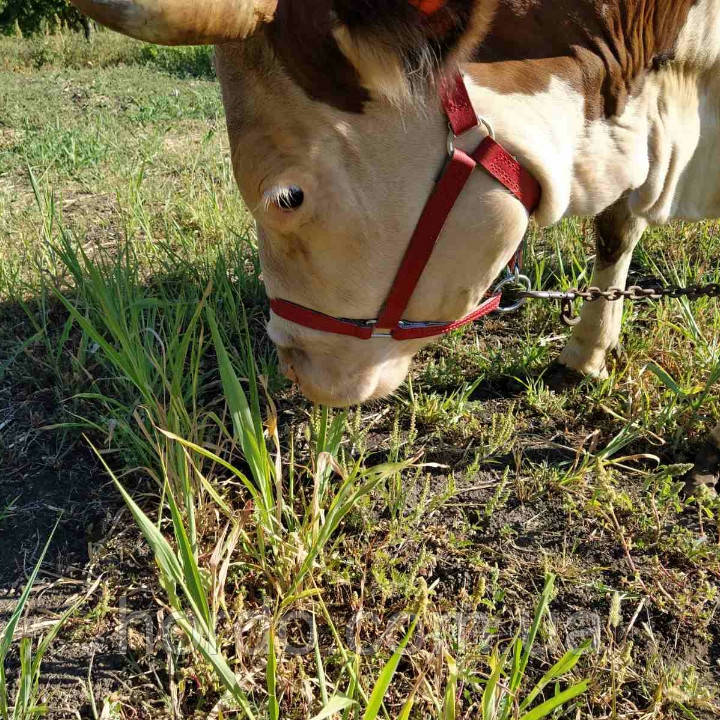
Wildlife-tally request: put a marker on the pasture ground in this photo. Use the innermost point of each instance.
(120, 230)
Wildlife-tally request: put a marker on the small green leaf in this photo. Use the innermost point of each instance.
(548, 707)
(335, 705)
(387, 674)
(665, 378)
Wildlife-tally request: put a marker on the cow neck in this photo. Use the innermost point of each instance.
(495, 160)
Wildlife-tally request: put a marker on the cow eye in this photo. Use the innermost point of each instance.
(290, 198)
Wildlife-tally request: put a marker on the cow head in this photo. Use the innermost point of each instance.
(337, 137)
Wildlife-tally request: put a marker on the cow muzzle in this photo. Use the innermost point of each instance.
(342, 379)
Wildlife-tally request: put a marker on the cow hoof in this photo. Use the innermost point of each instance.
(560, 377)
(588, 362)
(704, 478)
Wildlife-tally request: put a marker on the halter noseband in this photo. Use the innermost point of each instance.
(498, 163)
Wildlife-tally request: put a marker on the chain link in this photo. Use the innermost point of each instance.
(635, 293)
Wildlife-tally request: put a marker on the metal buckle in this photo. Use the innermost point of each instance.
(513, 279)
(409, 325)
(404, 325)
(453, 138)
(377, 333)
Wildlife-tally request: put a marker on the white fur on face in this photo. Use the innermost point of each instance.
(384, 71)
(379, 67)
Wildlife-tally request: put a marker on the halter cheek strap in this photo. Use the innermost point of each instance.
(494, 160)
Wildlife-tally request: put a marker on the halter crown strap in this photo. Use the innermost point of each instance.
(491, 156)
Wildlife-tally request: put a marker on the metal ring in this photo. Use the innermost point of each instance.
(488, 126)
(452, 137)
(451, 143)
(513, 280)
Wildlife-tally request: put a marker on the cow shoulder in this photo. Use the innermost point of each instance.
(603, 48)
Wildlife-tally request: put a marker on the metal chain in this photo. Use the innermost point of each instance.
(635, 293)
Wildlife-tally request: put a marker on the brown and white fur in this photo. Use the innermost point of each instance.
(613, 105)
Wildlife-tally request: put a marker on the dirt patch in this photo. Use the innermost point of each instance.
(50, 477)
(46, 478)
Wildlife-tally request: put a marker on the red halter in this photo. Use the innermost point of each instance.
(496, 161)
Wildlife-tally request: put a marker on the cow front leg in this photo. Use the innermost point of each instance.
(618, 232)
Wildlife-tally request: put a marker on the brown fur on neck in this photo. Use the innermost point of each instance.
(341, 51)
(302, 37)
(386, 35)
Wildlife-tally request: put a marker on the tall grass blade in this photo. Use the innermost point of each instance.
(6, 639)
(191, 571)
(23, 698)
(271, 677)
(665, 378)
(559, 669)
(247, 424)
(386, 676)
(9, 632)
(450, 706)
(497, 664)
(344, 501)
(3, 692)
(557, 701)
(171, 578)
(249, 486)
(543, 605)
(322, 682)
(214, 656)
(407, 708)
(172, 572)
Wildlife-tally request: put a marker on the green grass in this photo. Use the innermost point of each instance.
(477, 528)
(106, 50)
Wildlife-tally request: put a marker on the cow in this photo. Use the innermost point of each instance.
(337, 113)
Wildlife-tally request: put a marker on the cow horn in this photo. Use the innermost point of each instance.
(181, 22)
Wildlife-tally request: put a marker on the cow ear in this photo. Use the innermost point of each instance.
(398, 45)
